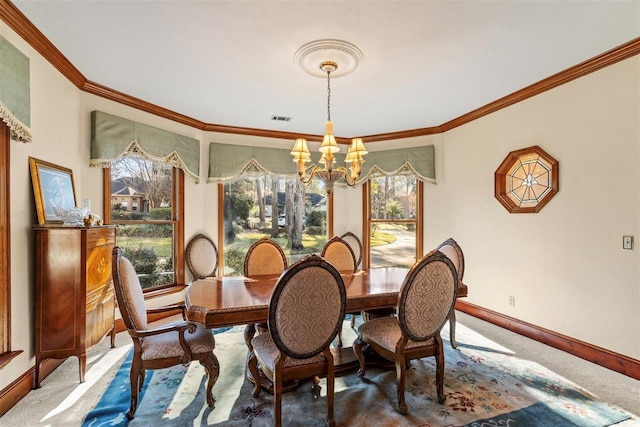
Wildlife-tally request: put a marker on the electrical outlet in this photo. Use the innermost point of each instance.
(512, 301)
(627, 242)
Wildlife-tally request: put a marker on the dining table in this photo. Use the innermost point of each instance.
(216, 302)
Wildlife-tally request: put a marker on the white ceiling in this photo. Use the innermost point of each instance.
(232, 62)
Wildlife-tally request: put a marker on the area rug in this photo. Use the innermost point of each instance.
(485, 385)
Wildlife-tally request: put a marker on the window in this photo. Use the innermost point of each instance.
(146, 203)
(275, 206)
(526, 180)
(393, 220)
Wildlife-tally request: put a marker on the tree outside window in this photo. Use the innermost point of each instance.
(274, 206)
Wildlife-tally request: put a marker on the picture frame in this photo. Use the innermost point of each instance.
(53, 186)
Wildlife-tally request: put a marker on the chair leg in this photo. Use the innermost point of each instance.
(339, 336)
(353, 320)
(357, 349)
(401, 366)
(452, 329)
(134, 379)
(141, 377)
(331, 378)
(252, 365)
(277, 398)
(440, 369)
(212, 367)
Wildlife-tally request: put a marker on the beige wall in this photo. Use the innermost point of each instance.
(582, 284)
(565, 265)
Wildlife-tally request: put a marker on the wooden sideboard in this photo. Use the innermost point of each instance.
(74, 299)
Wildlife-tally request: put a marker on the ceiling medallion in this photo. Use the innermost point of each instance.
(346, 55)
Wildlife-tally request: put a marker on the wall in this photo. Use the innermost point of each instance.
(565, 265)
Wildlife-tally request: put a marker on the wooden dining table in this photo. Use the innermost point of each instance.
(215, 302)
(227, 301)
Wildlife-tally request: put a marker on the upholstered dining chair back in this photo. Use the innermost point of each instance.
(264, 257)
(339, 254)
(202, 257)
(453, 251)
(427, 297)
(307, 307)
(129, 293)
(355, 244)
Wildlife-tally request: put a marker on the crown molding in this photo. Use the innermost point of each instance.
(610, 57)
(18, 22)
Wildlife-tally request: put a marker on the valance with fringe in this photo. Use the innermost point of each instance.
(419, 161)
(228, 162)
(15, 103)
(113, 137)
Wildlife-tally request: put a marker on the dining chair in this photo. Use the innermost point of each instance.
(264, 257)
(425, 302)
(339, 253)
(356, 246)
(305, 313)
(162, 347)
(202, 257)
(453, 251)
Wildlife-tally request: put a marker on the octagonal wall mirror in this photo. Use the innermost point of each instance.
(526, 180)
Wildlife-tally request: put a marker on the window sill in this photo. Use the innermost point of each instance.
(163, 292)
(7, 357)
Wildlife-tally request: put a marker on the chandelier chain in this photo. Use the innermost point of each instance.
(328, 95)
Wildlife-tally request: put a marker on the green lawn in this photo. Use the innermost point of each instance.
(160, 245)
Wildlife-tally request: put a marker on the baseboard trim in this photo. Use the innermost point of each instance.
(616, 362)
(18, 389)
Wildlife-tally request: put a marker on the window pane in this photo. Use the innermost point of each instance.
(140, 183)
(392, 245)
(278, 207)
(393, 197)
(149, 247)
(392, 229)
(142, 190)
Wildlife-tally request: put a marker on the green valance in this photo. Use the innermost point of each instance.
(15, 103)
(112, 137)
(416, 160)
(227, 161)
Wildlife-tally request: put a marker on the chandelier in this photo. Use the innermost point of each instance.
(329, 174)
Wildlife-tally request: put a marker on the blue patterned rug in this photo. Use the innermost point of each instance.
(485, 385)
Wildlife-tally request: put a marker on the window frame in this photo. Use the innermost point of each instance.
(177, 219)
(6, 354)
(367, 221)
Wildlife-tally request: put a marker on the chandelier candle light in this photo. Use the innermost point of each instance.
(301, 155)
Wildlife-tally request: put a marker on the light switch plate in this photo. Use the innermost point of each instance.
(627, 242)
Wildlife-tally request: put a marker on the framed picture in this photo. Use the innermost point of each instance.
(52, 187)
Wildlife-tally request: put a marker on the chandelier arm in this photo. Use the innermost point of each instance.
(347, 176)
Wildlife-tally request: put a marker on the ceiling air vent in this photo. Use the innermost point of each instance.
(280, 118)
